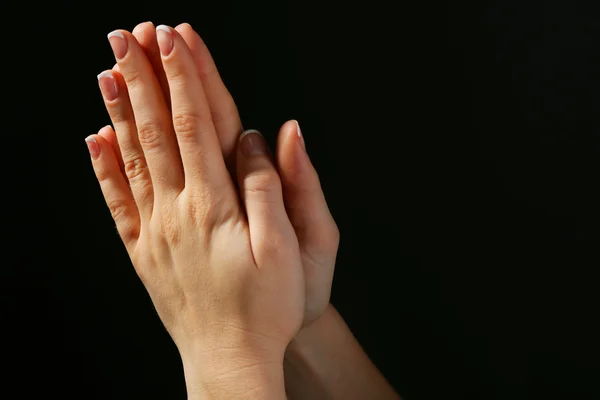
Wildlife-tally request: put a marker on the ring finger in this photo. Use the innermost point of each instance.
(116, 99)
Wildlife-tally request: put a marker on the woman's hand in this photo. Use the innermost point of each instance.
(307, 209)
(223, 268)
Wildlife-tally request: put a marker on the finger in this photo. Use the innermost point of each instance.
(260, 188)
(145, 33)
(108, 133)
(116, 100)
(153, 122)
(115, 189)
(222, 107)
(304, 199)
(198, 143)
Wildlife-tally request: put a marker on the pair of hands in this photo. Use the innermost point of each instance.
(235, 247)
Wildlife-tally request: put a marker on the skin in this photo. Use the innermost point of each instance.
(235, 248)
(316, 230)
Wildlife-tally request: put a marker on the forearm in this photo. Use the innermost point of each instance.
(325, 361)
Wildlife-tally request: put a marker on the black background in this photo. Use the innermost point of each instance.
(457, 147)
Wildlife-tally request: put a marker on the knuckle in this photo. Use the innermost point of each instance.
(118, 209)
(186, 124)
(217, 117)
(102, 173)
(274, 247)
(176, 72)
(265, 184)
(129, 232)
(135, 167)
(118, 113)
(225, 113)
(170, 228)
(230, 110)
(208, 72)
(331, 238)
(202, 208)
(133, 78)
(149, 134)
(336, 233)
(143, 261)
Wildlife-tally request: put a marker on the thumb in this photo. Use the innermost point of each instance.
(305, 202)
(260, 189)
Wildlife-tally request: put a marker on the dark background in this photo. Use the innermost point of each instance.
(457, 147)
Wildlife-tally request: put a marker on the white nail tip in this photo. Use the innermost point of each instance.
(249, 131)
(105, 74)
(298, 131)
(163, 28)
(117, 34)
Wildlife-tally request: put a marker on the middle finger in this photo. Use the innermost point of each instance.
(153, 121)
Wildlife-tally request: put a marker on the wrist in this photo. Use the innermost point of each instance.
(309, 335)
(306, 359)
(234, 373)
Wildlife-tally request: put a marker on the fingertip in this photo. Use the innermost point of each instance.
(93, 146)
(105, 131)
(102, 139)
(299, 134)
(142, 28)
(109, 134)
(293, 133)
(145, 34)
(183, 27)
(103, 155)
(99, 137)
(191, 37)
(291, 152)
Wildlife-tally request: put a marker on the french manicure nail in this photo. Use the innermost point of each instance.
(299, 132)
(118, 44)
(108, 85)
(93, 147)
(252, 143)
(164, 37)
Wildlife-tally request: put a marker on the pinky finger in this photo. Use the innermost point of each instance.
(109, 134)
(115, 189)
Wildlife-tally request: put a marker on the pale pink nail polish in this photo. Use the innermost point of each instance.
(299, 132)
(93, 147)
(118, 44)
(164, 37)
(108, 85)
(252, 143)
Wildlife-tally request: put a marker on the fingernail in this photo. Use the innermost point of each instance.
(108, 85)
(299, 132)
(93, 147)
(253, 143)
(164, 36)
(118, 44)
